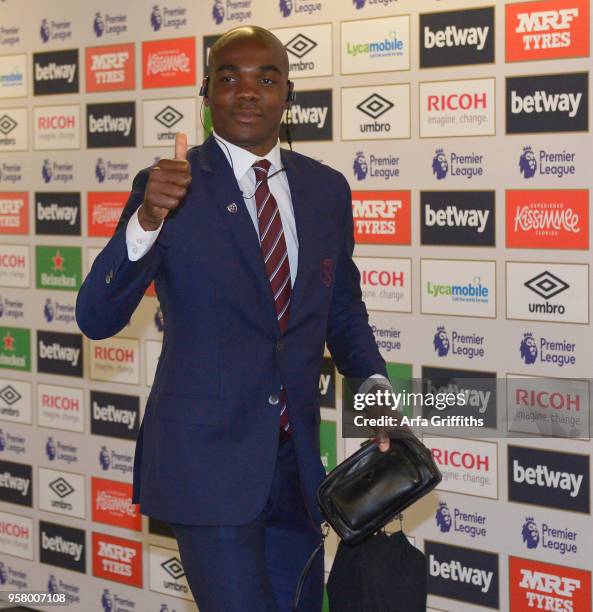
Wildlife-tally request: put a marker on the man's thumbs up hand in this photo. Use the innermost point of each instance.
(166, 187)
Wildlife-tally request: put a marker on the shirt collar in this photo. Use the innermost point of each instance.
(242, 159)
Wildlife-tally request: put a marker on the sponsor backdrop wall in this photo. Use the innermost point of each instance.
(464, 131)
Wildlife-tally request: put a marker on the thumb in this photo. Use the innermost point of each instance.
(180, 146)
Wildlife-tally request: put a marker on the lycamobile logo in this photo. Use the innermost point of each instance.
(382, 48)
(15, 348)
(469, 290)
(59, 268)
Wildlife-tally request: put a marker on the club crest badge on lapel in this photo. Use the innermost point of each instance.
(327, 271)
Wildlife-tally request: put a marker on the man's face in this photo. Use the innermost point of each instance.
(247, 92)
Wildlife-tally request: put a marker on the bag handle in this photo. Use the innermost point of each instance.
(306, 569)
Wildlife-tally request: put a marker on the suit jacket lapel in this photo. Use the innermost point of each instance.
(221, 181)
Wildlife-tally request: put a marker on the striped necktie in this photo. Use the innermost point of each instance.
(275, 254)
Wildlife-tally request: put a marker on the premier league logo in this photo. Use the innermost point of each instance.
(441, 342)
(98, 25)
(3, 573)
(156, 19)
(106, 601)
(48, 311)
(528, 348)
(358, 4)
(443, 518)
(164, 608)
(360, 166)
(46, 171)
(1, 308)
(440, 165)
(285, 7)
(159, 321)
(530, 533)
(527, 163)
(50, 449)
(218, 12)
(2, 440)
(44, 30)
(104, 458)
(52, 584)
(100, 170)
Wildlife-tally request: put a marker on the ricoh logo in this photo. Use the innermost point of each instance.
(55, 31)
(472, 524)
(558, 539)
(11, 442)
(557, 353)
(105, 24)
(168, 17)
(385, 167)
(556, 164)
(288, 7)
(469, 346)
(463, 165)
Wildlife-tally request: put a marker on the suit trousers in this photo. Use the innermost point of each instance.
(255, 567)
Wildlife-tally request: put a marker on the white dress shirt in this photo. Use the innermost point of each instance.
(139, 241)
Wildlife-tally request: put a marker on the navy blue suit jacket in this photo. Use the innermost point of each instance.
(207, 445)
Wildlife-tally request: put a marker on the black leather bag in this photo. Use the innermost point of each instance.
(370, 488)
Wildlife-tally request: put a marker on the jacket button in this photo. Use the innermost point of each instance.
(273, 399)
(109, 276)
(279, 345)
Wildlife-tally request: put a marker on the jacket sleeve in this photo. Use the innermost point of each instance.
(115, 285)
(349, 336)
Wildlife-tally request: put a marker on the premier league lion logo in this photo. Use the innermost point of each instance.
(100, 170)
(48, 311)
(3, 574)
(527, 163)
(360, 166)
(98, 25)
(443, 518)
(104, 458)
(50, 449)
(218, 12)
(2, 440)
(44, 30)
(440, 165)
(528, 349)
(156, 19)
(52, 584)
(46, 171)
(106, 601)
(441, 342)
(358, 4)
(285, 7)
(530, 533)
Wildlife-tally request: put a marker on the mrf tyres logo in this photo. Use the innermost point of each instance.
(551, 479)
(454, 38)
(310, 117)
(460, 218)
(59, 353)
(111, 125)
(547, 103)
(464, 574)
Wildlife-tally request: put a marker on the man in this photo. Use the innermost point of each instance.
(250, 248)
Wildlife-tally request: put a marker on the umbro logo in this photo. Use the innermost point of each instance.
(374, 106)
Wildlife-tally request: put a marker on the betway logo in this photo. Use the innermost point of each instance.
(8, 481)
(452, 216)
(542, 102)
(315, 115)
(109, 124)
(54, 72)
(111, 414)
(55, 212)
(59, 544)
(116, 552)
(57, 352)
(452, 36)
(476, 398)
(455, 571)
(543, 21)
(549, 583)
(543, 476)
